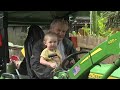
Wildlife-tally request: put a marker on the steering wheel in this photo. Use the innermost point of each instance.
(69, 58)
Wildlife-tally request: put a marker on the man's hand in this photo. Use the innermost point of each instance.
(72, 62)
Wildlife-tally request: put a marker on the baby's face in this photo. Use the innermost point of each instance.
(51, 43)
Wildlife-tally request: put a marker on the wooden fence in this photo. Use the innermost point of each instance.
(90, 42)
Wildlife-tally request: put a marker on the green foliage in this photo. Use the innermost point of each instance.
(102, 30)
(86, 29)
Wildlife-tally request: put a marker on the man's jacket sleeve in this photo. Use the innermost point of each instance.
(40, 70)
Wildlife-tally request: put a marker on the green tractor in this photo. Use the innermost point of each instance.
(91, 62)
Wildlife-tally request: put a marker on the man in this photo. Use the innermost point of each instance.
(66, 47)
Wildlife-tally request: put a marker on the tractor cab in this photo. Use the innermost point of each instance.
(11, 20)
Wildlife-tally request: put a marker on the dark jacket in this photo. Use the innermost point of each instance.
(35, 33)
(43, 71)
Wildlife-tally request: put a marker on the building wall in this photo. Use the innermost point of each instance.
(17, 34)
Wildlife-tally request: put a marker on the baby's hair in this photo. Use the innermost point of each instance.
(50, 34)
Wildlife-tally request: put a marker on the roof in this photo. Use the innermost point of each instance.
(38, 17)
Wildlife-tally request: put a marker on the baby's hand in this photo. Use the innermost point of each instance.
(53, 65)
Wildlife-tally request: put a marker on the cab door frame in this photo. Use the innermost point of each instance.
(4, 49)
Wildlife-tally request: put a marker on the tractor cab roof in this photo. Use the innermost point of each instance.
(40, 17)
